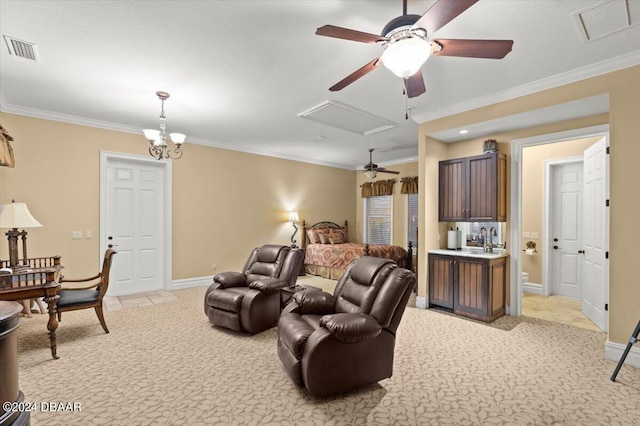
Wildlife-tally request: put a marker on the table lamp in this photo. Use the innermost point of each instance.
(293, 218)
(14, 216)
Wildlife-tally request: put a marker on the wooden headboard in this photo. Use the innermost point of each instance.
(319, 225)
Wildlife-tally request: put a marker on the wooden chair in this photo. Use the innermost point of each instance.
(72, 299)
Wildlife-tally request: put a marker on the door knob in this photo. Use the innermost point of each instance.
(580, 251)
(556, 247)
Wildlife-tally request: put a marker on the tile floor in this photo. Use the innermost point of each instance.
(556, 309)
(113, 303)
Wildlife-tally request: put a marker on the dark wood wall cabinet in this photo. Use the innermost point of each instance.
(468, 286)
(473, 189)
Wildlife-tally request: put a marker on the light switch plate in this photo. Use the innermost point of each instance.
(534, 235)
(88, 234)
(76, 235)
(526, 235)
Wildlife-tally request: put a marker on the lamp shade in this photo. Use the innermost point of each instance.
(151, 134)
(17, 215)
(178, 138)
(293, 216)
(405, 57)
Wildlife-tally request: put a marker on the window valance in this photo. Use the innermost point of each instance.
(377, 188)
(409, 185)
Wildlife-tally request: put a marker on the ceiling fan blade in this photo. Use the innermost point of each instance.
(381, 170)
(347, 34)
(355, 75)
(441, 13)
(415, 85)
(490, 49)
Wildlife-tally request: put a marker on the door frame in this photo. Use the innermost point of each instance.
(515, 228)
(549, 165)
(166, 228)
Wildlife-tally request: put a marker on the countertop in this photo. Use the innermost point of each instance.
(479, 253)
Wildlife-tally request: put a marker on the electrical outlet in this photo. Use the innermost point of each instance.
(534, 235)
(214, 267)
(76, 235)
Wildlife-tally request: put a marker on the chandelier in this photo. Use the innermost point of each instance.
(158, 138)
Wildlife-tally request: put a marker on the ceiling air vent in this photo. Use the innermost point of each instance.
(605, 18)
(21, 49)
(346, 117)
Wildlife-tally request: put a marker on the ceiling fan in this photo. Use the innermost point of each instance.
(408, 45)
(372, 169)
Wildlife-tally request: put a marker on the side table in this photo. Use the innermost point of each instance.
(9, 389)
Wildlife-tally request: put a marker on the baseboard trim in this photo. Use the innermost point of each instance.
(613, 351)
(191, 282)
(532, 288)
(421, 302)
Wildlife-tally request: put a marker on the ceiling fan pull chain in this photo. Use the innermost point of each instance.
(406, 105)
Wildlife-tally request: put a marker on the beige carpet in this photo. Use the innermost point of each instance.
(165, 365)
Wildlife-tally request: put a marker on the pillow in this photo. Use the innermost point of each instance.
(336, 238)
(313, 236)
(342, 232)
(324, 238)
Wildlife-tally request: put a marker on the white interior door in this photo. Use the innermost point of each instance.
(596, 276)
(134, 223)
(566, 230)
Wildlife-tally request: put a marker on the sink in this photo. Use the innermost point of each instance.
(480, 250)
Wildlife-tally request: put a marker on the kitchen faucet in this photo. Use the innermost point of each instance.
(483, 235)
(492, 233)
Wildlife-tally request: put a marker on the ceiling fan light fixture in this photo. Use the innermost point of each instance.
(405, 57)
(371, 174)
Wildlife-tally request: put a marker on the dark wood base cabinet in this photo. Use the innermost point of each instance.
(469, 286)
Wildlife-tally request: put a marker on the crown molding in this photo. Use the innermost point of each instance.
(83, 121)
(589, 71)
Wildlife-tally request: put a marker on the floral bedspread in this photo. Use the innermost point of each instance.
(340, 255)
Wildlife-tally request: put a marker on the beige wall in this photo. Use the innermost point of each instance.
(399, 202)
(624, 119)
(533, 159)
(224, 202)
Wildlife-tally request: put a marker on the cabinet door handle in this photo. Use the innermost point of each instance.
(580, 251)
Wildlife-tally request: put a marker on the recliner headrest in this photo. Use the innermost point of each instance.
(366, 269)
(268, 253)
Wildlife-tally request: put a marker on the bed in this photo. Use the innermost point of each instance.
(328, 250)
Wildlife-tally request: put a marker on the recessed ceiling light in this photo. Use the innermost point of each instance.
(464, 132)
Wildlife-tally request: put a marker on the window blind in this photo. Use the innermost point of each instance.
(378, 219)
(412, 219)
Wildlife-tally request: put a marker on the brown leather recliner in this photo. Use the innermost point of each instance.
(331, 344)
(249, 301)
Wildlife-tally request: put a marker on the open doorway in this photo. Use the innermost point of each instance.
(549, 280)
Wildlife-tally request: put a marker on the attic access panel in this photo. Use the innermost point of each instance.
(347, 117)
(606, 17)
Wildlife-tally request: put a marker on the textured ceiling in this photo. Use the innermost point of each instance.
(240, 72)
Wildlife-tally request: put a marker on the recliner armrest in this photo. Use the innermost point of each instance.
(230, 279)
(268, 286)
(315, 302)
(351, 328)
